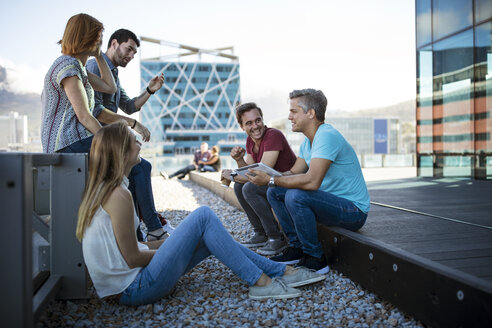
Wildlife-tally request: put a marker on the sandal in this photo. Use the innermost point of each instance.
(152, 237)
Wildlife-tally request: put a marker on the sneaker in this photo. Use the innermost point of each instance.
(302, 277)
(318, 265)
(158, 234)
(166, 226)
(290, 255)
(164, 175)
(256, 241)
(278, 289)
(273, 247)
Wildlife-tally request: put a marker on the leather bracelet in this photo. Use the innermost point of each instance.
(134, 123)
(150, 92)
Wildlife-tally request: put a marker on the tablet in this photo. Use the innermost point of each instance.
(257, 166)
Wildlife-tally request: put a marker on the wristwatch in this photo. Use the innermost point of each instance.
(271, 183)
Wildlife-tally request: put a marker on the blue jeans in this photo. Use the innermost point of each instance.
(143, 197)
(207, 168)
(299, 210)
(200, 235)
(81, 146)
(140, 185)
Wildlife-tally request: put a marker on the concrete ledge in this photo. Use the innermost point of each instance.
(211, 181)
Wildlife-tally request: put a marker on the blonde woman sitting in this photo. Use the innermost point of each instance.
(141, 273)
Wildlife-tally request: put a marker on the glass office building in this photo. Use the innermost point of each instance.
(196, 103)
(367, 135)
(454, 88)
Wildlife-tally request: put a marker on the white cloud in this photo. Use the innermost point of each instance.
(23, 78)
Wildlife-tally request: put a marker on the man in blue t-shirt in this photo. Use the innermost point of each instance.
(325, 184)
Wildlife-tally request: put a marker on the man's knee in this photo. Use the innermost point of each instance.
(295, 197)
(238, 188)
(143, 167)
(274, 194)
(145, 164)
(250, 190)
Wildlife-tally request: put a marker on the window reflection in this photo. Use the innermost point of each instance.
(424, 101)
(454, 88)
(483, 10)
(483, 99)
(423, 16)
(453, 108)
(450, 16)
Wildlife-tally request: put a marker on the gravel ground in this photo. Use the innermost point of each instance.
(212, 296)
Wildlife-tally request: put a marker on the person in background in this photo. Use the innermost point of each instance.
(213, 164)
(122, 47)
(202, 155)
(325, 184)
(67, 125)
(268, 146)
(136, 273)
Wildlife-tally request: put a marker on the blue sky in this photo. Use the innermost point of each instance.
(360, 53)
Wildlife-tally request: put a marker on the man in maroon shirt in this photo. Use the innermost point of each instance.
(268, 146)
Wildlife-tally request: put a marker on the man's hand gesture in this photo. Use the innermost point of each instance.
(142, 130)
(237, 153)
(156, 83)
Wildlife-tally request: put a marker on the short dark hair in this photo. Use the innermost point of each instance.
(246, 107)
(311, 98)
(122, 35)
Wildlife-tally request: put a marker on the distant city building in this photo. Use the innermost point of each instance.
(454, 88)
(13, 131)
(196, 102)
(366, 135)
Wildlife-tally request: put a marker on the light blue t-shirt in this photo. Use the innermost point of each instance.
(344, 176)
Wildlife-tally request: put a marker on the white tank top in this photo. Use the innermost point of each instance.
(108, 269)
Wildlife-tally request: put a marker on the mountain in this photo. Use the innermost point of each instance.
(23, 103)
(404, 111)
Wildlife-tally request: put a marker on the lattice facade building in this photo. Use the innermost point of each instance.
(196, 102)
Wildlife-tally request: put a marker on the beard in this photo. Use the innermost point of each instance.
(120, 58)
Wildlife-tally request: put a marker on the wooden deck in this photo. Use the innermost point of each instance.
(426, 247)
(448, 221)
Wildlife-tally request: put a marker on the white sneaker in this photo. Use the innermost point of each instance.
(168, 228)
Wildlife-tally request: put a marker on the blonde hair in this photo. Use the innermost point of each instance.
(215, 149)
(81, 34)
(107, 160)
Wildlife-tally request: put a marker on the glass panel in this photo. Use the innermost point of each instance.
(483, 10)
(450, 16)
(457, 166)
(425, 166)
(453, 125)
(375, 160)
(483, 97)
(424, 101)
(396, 160)
(489, 167)
(424, 30)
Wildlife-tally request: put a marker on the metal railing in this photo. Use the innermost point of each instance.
(32, 188)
